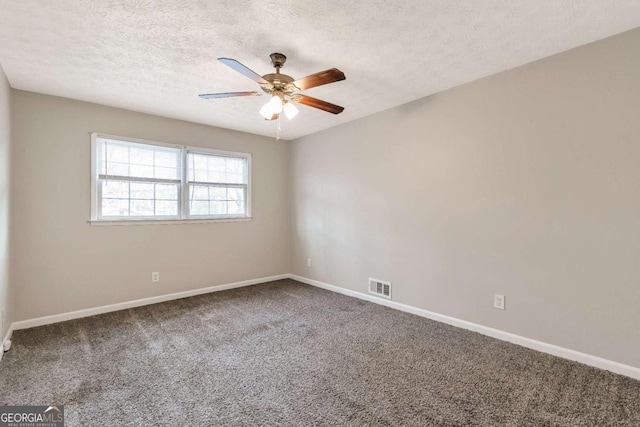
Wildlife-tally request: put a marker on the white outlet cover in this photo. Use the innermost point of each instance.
(498, 301)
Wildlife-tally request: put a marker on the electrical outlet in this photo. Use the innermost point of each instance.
(308, 262)
(155, 276)
(498, 301)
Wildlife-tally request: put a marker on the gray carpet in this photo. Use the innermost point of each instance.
(289, 354)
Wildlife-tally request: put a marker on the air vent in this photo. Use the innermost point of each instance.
(380, 288)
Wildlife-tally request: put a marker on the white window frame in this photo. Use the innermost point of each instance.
(183, 190)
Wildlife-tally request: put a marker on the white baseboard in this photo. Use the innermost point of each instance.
(6, 338)
(565, 353)
(55, 318)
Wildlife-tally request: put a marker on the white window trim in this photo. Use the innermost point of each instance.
(184, 187)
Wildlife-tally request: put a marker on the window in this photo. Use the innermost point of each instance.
(136, 180)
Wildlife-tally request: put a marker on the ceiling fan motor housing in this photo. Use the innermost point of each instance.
(278, 82)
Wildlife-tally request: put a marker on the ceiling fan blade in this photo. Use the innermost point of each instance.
(243, 70)
(273, 117)
(319, 79)
(228, 94)
(318, 103)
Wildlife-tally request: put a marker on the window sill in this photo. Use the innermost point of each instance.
(165, 221)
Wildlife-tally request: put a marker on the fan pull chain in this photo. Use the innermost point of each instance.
(278, 129)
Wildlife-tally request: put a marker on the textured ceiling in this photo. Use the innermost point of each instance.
(156, 56)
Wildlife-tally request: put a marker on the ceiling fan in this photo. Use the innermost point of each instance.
(283, 89)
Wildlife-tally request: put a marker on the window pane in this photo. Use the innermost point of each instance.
(199, 208)
(166, 191)
(139, 199)
(140, 171)
(142, 190)
(115, 190)
(198, 161)
(215, 176)
(141, 207)
(216, 200)
(235, 194)
(216, 163)
(235, 179)
(218, 193)
(217, 169)
(199, 192)
(141, 156)
(117, 153)
(218, 208)
(121, 169)
(165, 173)
(198, 175)
(235, 166)
(122, 158)
(115, 207)
(235, 208)
(165, 159)
(167, 208)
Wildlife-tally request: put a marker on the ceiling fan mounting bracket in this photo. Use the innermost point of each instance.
(278, 60)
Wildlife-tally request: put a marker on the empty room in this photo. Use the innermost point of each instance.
(299, 213)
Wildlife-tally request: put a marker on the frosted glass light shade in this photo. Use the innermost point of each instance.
(290, 110)
(267, 110)
(276, 104)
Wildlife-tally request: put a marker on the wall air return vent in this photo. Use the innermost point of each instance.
(380, 288)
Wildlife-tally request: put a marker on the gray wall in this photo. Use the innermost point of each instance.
(526, 183)
(5, 150)
(60, 263)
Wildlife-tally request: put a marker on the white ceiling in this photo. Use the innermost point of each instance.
(156, 56)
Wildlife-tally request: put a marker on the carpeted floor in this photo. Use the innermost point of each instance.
(289, 354)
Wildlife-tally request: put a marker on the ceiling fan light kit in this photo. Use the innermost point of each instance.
(271, 108)
(283, 88)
